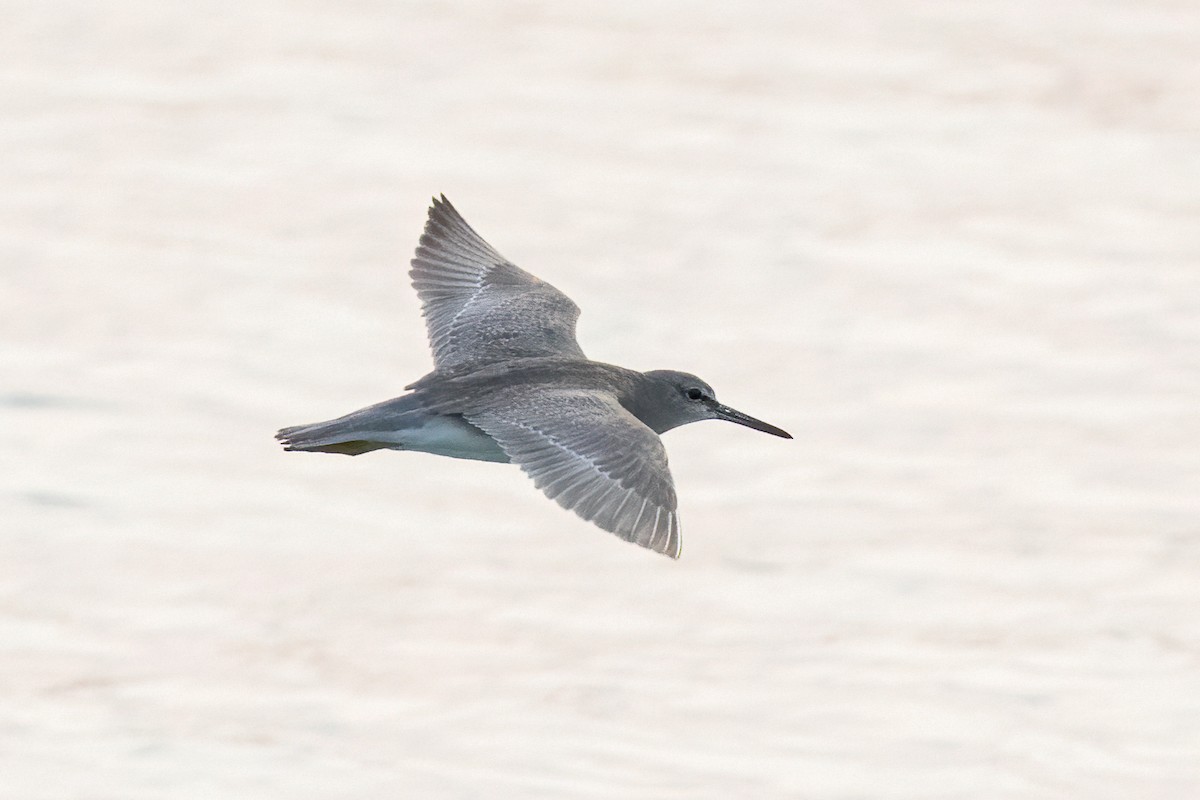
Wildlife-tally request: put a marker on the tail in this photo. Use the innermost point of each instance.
(371, 428)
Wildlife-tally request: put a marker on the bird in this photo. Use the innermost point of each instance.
(510, 384)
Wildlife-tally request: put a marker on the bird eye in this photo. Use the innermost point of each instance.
(695, 394)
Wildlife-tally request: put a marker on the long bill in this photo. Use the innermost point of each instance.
(733, 415)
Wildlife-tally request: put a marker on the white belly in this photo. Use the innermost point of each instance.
(450, 436)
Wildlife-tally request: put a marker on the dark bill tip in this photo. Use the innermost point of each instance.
(732, 415)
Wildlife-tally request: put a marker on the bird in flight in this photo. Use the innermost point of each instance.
(510, 384)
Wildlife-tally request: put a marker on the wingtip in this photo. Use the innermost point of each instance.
(443, 212)
(675, 548)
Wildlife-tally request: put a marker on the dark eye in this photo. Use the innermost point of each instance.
(695, 394)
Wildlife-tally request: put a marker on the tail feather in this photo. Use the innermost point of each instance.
(298, 441)
(358, 432)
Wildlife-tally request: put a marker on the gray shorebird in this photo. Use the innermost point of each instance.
(510, 384)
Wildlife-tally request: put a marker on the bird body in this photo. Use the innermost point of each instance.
(511, 384)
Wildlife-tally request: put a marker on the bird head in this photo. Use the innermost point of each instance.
(677, 398)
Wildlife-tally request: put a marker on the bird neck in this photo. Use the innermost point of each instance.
(644, 401)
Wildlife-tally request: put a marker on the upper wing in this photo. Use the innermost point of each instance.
(584, 450)
(478, 306)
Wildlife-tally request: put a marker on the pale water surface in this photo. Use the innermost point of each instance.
(953, 247)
